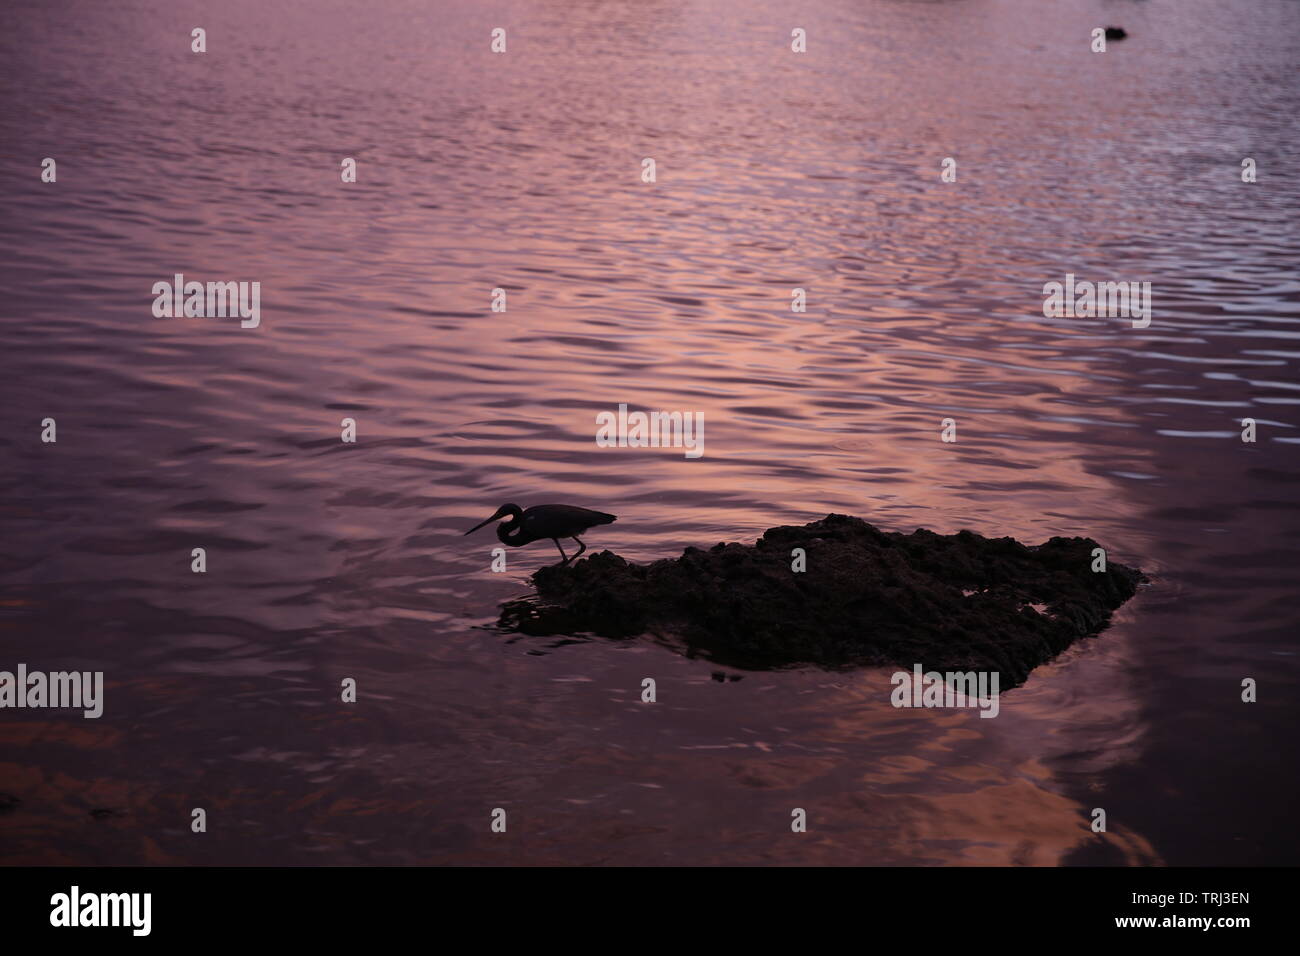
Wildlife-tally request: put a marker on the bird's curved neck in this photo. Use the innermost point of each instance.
(506, 529)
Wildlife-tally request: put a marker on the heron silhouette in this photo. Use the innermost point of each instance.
(545, 521)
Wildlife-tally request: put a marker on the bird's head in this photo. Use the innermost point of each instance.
(512, 510)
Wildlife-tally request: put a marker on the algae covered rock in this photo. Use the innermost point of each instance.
(867, 597)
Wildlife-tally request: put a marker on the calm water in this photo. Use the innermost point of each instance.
(775, 170)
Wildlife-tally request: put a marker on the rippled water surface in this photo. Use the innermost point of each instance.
(522, 172)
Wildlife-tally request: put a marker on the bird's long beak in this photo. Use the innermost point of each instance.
(481, 523)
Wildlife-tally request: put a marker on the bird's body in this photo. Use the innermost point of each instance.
(545, 521)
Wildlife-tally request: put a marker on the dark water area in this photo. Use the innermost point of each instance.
(522, 171)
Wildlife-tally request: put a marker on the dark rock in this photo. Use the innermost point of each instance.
(8, 803)
(1115, 33)
(947, 602)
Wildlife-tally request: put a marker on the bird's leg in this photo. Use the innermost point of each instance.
(562, 554)
(580, 550)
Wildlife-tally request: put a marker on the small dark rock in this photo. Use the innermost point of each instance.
(1115, 33)
(9, 803)
(868, 597)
